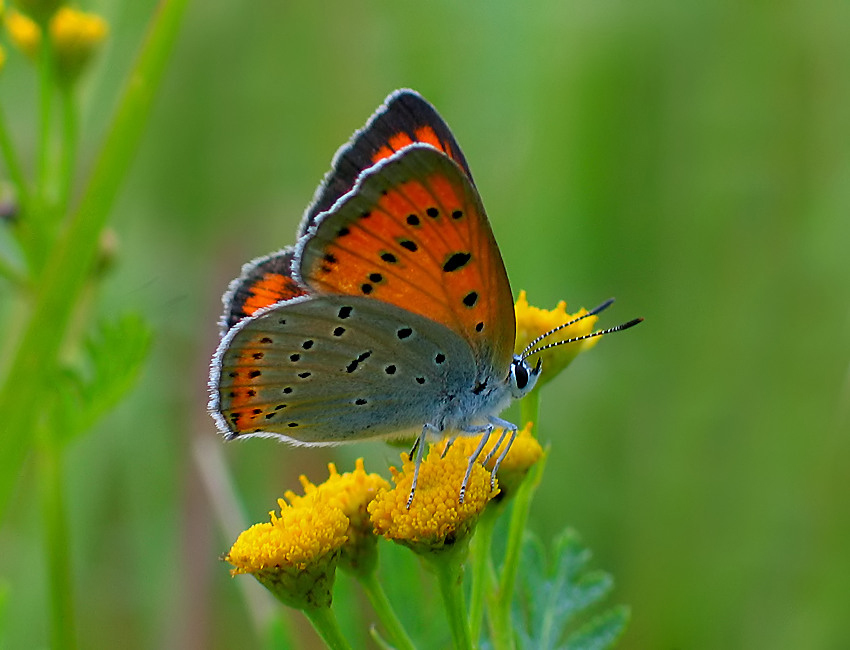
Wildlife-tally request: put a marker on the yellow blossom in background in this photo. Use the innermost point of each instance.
(531, 322)
(351, 493)
(436, 521)
(75, 36)
(295, 555)
(24, 32)
(524, 452)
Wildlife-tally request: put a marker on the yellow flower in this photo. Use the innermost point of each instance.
(524, 452)
(436, 521)
(351, 493)
(295, 555)
(24, 32)
(532, 322)
(75, 36)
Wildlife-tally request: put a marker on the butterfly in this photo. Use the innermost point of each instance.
(392, 316)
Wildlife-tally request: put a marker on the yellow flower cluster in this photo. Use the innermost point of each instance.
(350, 493)
(24, 32)
(295, 555)
(2, 51)
(436, 519)
(532, 322)
(74, 35)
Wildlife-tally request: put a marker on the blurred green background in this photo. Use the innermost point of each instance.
(692, 159)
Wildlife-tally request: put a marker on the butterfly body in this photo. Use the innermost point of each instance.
(391, 316)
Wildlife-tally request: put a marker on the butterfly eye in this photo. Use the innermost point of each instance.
(522, 377)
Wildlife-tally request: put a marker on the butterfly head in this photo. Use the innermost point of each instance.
(522, 377)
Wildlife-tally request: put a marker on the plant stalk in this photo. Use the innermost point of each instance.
(386, 614)
(325, 623)
(62, 620)
(71, 260)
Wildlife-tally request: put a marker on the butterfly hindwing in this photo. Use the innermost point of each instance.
(413, 233)
(329, 369)
(262, 283)
(405, 117)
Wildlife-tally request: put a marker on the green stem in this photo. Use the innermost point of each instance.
(13, 165)
(450, 579)
(45, 100)
(10, 272)
(530, 408)
(483, 576)
(324, 620)
(69, 149)
(70, 263)
(499, 614)
(386, 614)
(63, 627)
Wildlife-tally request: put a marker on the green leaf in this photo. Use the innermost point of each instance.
(555, 597)
(601, 632)
(111, 362)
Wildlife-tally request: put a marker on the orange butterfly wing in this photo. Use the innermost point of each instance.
(404, 118)
(413, 233)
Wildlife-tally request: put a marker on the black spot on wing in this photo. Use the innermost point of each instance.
(456, 261)
(351, 367)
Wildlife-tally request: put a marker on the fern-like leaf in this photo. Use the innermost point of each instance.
(552, 611)
(111, 362)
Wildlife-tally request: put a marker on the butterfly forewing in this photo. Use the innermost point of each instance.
(404, 118)
(413, 233)
(327, 369)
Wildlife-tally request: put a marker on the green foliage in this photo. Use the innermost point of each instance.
(557, 592)
(689, 158)
(112, 359)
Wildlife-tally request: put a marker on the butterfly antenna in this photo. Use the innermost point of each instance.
(592, 312)
(618, 328)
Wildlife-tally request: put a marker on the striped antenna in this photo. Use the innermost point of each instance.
(592, 312)
(618, 328)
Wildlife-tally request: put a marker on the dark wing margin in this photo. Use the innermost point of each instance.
(404, 118)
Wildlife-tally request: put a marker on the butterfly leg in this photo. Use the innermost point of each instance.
(419, 447)
(448, 446)
(413, 448)
(485, 430)
(495, 447)
(506, 426)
